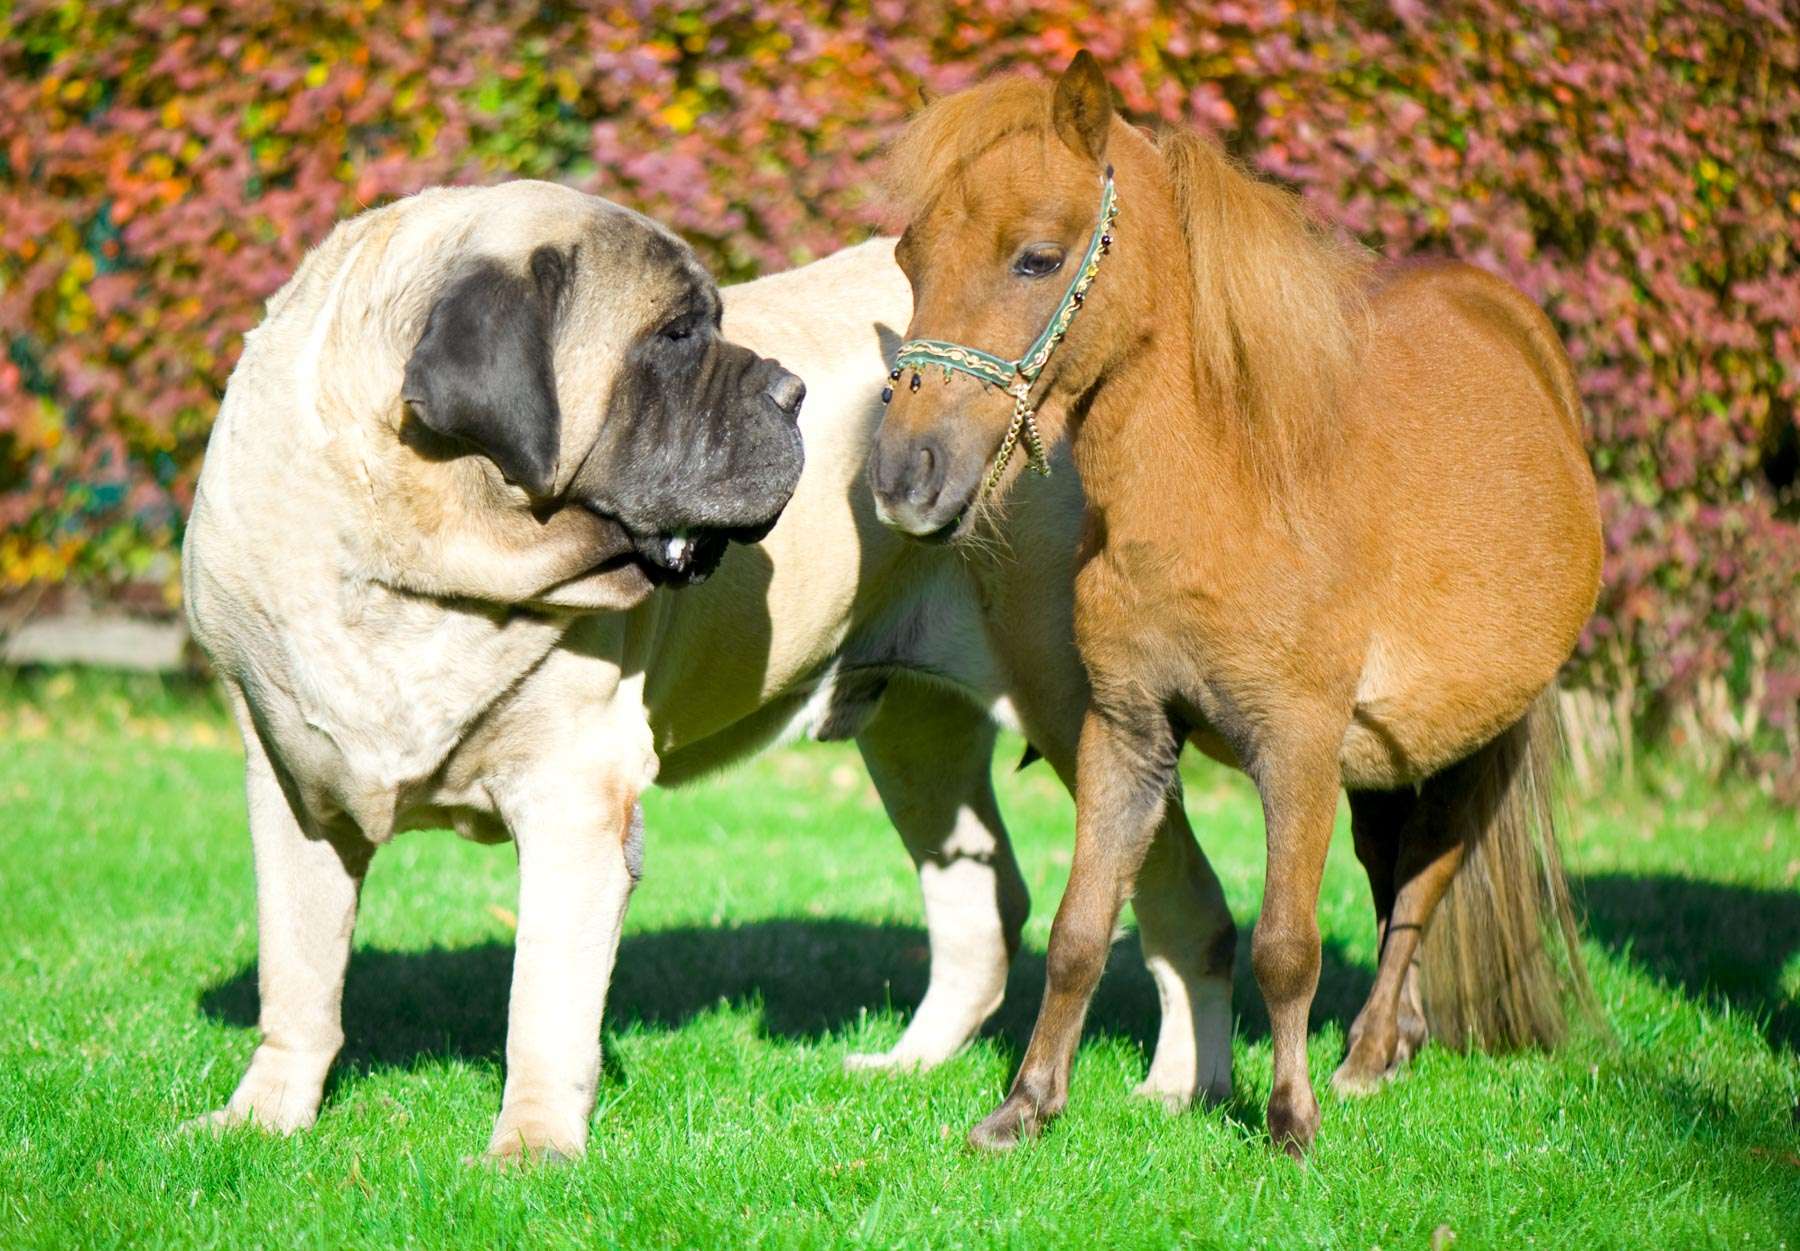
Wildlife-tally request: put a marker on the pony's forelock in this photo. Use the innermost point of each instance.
(951, 131)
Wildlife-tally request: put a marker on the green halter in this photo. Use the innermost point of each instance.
(1016, 377)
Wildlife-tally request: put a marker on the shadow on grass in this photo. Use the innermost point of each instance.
(813, 978)
(1707, 939)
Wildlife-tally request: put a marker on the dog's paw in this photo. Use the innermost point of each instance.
(901, 1059)
(534, 1135)
(1172, 1099)
(269, 1098)
(1179, 1089)
(274, 1118)
(215, 1122)
(877, 1062)
(280, 1092)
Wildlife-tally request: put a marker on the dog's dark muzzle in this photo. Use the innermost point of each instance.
(719, 474)
(747, 462)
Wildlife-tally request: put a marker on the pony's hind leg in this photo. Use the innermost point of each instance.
(931, 755)
(1410, 860)
(1299, 788)
(1125, 768)
(1189, 942)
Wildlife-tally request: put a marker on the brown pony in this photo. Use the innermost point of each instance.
(1341, 532)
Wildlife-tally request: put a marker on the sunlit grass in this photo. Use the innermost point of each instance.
(777, 930)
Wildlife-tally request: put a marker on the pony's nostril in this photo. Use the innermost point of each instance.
(922, 486)
(787, 391)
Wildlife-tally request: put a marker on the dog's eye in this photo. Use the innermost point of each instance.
(688, 326)
(1039, 260)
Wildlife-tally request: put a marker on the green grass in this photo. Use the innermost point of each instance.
(777, 930)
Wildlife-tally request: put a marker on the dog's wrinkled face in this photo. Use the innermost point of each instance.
(593, 375)
(699, 444)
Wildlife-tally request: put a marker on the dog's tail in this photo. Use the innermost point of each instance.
(1501, 959)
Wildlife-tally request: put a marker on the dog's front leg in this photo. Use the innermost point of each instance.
(307, 884)
(578, 860)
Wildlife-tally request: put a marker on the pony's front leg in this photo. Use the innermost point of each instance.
(1299, 787)
(1124, 770)
(580, 849)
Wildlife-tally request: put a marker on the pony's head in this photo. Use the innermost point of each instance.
(1004, 186)
(1220, 281)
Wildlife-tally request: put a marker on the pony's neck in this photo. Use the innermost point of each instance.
(1144, 431)
(1146, 425)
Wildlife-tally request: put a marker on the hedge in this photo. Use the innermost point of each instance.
(1634, 166)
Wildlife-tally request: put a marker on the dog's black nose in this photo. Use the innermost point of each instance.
(787, 391)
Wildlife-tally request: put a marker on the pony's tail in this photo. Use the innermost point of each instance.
(1501, 963)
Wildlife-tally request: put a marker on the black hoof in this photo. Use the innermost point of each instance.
(1013, 1122)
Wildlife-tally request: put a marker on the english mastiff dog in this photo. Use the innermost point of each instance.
(475, 435)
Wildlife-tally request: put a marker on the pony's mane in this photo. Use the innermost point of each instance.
(1277, 301)
(1278, 305)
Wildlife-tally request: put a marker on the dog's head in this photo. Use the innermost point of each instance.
(575, 347)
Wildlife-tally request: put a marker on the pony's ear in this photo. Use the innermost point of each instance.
(1082, 111)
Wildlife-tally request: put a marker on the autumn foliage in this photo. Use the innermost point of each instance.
(1634, 166)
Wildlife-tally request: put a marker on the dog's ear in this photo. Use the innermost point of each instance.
(482, 372)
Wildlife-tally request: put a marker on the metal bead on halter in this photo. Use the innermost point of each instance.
(1016, 377)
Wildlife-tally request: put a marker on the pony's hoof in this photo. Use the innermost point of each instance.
(1354, 1081)
(1292, 1130)
(1007, 1126)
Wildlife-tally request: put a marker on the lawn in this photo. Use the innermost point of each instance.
(777, 930)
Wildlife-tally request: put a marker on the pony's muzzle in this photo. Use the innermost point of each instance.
(908, 477)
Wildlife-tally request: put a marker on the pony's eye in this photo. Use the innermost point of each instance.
(1039, 260)
(676, 331)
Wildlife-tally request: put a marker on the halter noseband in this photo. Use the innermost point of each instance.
(1016, 377)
